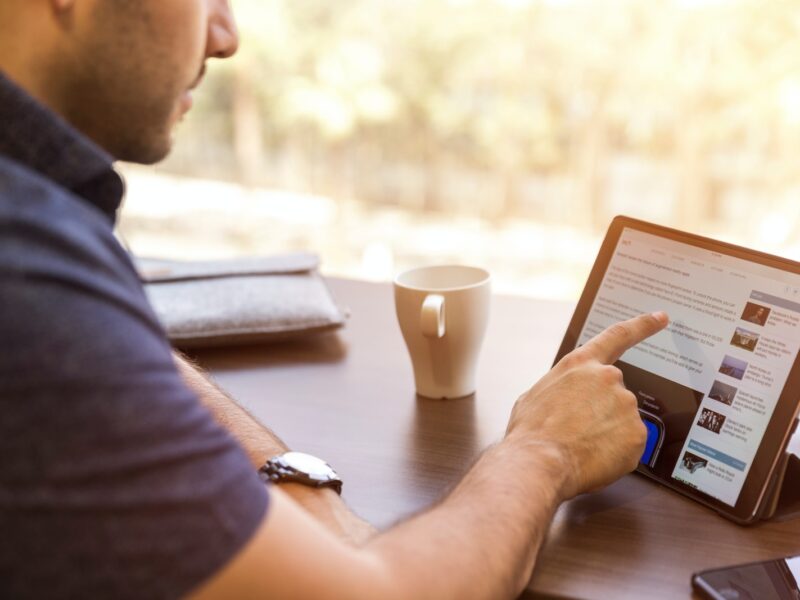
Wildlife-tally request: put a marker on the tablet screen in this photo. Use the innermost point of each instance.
(707, 385)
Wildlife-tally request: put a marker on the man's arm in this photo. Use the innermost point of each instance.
(261, 444)
(258, 441)
(578, 429)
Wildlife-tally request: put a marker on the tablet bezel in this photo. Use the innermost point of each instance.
(777, 433)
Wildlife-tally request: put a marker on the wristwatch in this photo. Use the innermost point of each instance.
(300, 468)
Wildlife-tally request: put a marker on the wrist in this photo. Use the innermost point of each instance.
(311, 498)
(322, 503)
(543, 460)
(328, 508)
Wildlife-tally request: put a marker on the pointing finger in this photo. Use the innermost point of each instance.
(612, 343)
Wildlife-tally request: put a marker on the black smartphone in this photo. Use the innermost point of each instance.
(768, 580)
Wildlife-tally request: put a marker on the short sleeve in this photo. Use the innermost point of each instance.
(115, 482)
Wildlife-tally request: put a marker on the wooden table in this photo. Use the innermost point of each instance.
(349, 398)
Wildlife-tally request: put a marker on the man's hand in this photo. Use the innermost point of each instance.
(583, 413)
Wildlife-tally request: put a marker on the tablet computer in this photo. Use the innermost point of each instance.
(718, 389)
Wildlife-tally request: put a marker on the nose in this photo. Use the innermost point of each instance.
(223, 35)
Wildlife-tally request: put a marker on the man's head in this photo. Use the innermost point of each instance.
(120, 71)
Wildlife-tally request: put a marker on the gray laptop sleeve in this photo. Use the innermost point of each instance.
(240, 301)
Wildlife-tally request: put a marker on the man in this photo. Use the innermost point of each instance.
(758, 316)
(124, 472)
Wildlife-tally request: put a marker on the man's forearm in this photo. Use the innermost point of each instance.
(260, 444)
(485, 536)
(258, 441)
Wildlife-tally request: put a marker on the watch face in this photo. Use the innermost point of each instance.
(305, 463)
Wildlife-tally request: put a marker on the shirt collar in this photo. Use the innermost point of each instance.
(36, 137)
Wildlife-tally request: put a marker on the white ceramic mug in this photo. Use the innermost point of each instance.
(443, 312)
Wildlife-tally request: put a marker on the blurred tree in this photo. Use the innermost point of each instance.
(337, 96)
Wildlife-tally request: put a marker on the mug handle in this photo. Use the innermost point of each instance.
(431, 319)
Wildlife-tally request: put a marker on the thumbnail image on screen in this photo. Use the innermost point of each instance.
(691, 462)
(744, 339)
(722, 392)
(733, 367)
(713, 421)
(755, 313)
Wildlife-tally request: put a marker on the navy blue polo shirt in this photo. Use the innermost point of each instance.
(114, 481)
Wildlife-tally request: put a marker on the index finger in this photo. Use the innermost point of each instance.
(612, 343)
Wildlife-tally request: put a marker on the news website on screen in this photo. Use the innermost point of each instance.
(709, 383)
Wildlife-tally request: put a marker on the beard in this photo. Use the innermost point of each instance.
(131, 131)
(120, 89)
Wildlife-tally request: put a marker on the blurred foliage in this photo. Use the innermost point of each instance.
(515, 87)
